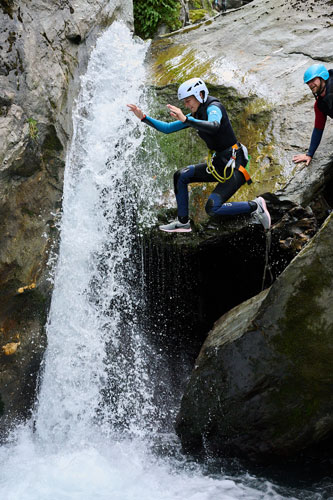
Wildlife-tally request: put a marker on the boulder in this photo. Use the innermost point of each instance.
(262, 383)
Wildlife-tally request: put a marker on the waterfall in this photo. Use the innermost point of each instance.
(95, 348)
(96, 420)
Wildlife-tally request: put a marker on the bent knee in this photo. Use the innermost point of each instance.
(186, 173)
(183, 176)
(176, 176)
(213, 204)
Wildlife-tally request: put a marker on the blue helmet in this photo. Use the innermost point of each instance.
(316, 70)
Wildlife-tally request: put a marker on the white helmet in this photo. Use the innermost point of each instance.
(193, 87)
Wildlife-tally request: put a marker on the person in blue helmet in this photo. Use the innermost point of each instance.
(219, 5)
(226, 166)
(320, 81)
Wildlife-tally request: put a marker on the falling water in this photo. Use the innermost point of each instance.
(96, 421)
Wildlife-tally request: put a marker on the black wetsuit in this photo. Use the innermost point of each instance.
(220, 137)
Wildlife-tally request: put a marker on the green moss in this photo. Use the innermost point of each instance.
(301, 336)
(197, 15)
(305, 341)
(202, 4)
(33, 129)
(292, 418)
(2, 406)
(252, 125)
(26, 211)
(176, 63)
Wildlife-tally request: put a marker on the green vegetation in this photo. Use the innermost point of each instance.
(33, 130)
(197, 15)
(149, 14)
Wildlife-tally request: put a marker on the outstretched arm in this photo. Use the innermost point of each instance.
(302, 157)
(165, 127)
(314, 143)
(211, 125)
(317, 133)
(137, 111)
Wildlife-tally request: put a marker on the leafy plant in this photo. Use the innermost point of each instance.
(33, 130)
(149, 14)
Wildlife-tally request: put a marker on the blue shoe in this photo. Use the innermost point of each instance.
(261, 214)
(177, 227)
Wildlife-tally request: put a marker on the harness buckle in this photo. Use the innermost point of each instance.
(210, 169)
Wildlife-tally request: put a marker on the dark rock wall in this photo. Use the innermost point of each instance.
(262, 384)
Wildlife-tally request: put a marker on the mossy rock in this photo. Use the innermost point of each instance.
(197, 15)
(262, 385)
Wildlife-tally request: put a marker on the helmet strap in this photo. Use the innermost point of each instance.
(323, 86)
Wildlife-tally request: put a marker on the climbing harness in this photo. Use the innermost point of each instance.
(211, 169)
(231, 164)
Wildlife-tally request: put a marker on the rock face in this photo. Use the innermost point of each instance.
(262, 384)
(260, 389)
(282, 40)
(44, 48)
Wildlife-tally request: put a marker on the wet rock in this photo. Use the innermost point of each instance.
(282, 42)
(261, 387)
(10, 348)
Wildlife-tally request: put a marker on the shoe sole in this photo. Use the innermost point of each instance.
(266, 212)
(180, 230)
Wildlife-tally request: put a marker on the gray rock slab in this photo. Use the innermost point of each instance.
(262, 384)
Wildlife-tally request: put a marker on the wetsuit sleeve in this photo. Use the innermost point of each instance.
(165, 127)
(211, 125)
(315, 141)
(317, 133)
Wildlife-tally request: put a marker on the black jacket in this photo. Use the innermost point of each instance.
(217, 136)
(325, 104)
